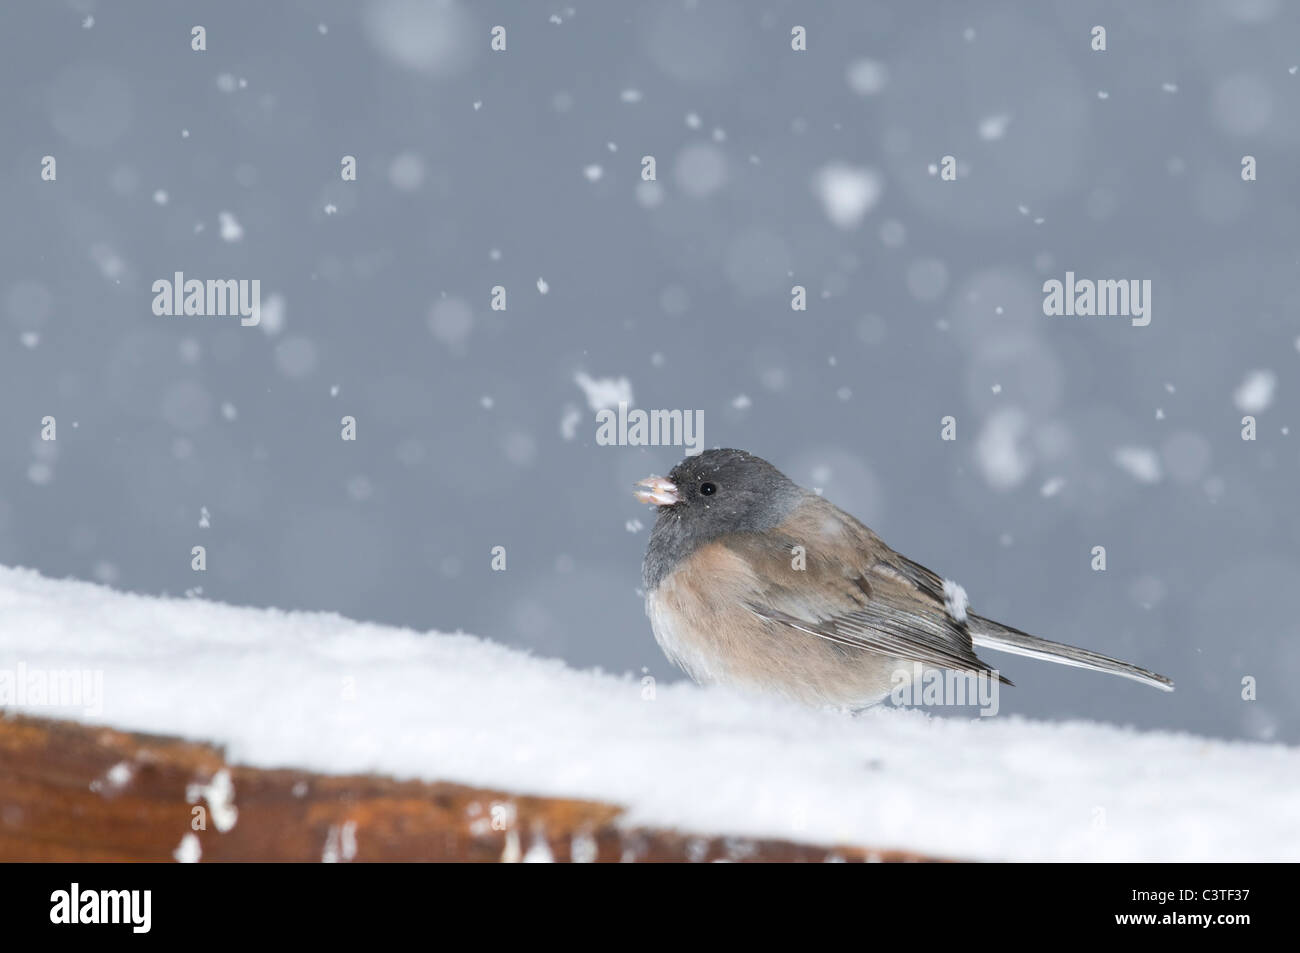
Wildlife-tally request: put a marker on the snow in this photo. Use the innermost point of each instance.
(340, 843)
(231, 230)
(115, 778)
(866, 77)
(318, 692)
(433, 39)
(273, 315)
(406, 172)
(220, 795)
(1141, 463)
(1000, 453)
(1255, 393)
(604, 393)
(189, 851)
(955, 600)
(994, 127)
(700, 170)
(847, 193)
(569, 422)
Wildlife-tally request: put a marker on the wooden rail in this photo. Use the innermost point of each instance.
(71, 792)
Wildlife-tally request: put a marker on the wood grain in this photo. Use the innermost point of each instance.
(72, 792)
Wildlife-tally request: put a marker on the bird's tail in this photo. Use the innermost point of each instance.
(1002, 638)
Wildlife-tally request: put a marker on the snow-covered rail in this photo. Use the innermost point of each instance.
(319, 695)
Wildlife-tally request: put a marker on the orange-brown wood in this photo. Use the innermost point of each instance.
(70, 792)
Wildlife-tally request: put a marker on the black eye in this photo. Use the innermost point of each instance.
(707, 489)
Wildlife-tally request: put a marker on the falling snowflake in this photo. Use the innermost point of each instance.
(231, 230)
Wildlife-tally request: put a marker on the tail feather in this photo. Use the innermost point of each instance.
(1002, 638)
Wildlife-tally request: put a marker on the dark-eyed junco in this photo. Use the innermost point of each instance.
(752, 580)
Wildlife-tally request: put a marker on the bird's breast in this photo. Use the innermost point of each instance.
(701, 617)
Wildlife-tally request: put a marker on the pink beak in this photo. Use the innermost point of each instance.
(659, 491)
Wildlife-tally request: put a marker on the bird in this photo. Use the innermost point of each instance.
(754, 582)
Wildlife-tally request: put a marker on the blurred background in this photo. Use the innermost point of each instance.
(476, 428)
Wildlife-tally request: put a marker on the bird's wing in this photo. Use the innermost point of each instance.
(848, 587)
